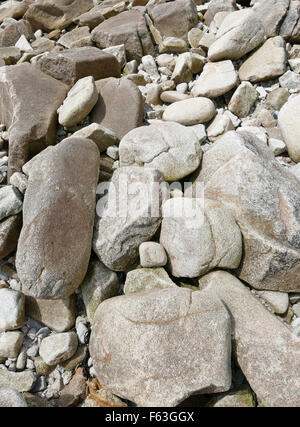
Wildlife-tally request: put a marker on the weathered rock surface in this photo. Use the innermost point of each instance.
(80, 101)
(152, 254)
(19, 381)
(10, 229)
(50, 15)
(239, 33)
(190, 111)
(128, 28)
(288, 121)
(278, 301)
(168, 147)
(147, 279)
(100, 135)
(58, 348)
(12, 9)
(12, 309)
(92, 18)
(58, 315)
(10, 398)
(99, 284)
(243, 99)
(110, 112)
(58, 212)
(240, 171)
(174, 19)
(10, 201)
(28, 103)
(266, 63)
(71, 65)
(199, 235)
(172, 342)
(79, 37)
(12, 33)
(131, 217)
(266, 350)
(10, 343)
(216, 79)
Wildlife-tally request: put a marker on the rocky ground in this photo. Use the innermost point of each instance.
(150, 203)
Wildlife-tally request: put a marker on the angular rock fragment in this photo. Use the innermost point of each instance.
(128, 28)
(216, 80)
(10, 229)
(132, 215)
(266, 350)
(174, 19)
(147, 279)
(71, 65)
(110, 112)
(243, 99)
(50, 15)
(58, 212)
(100, 135)
(10, 201)
(266, 63)
(58, 315)
(171, 148)
(13, 9)
(57, 348)
(92, 18)
(241, 172)
(199, 235)
(79, 37)
(11, 34)
(30, 115)
(157, 348)
(99, 284)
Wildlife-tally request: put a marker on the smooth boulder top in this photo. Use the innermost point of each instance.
(169, 147)
(240, 33)
(191, 111)
(157, 348)
(58, 212)
(288, 120)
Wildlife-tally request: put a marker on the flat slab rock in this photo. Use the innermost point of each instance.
(157, 348)
(71, 65)
(266, 350)
(58, 212)
(241, 172)
(30, 116)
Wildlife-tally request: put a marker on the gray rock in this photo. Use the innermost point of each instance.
(12, 309)
(239, 33)
(10, 201)
(58, 348)
(171, 148)
(99, 284)
(147, 279)
(266, 350)
(131, 217)
(58, 212)
(199, 235)
(290, 81)
(152, 254)
(10, 398)
(10, 344)
(19, 381)
(243, 99)
(19, 181)
(278, 301)
(164, 341)
(240, 171)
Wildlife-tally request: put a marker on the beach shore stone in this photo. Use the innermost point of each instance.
(190, 111)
